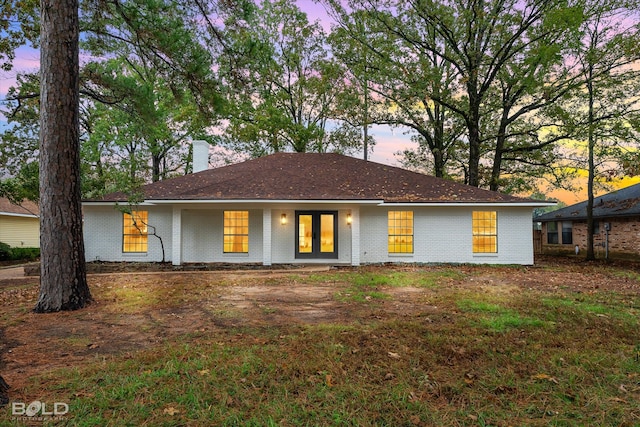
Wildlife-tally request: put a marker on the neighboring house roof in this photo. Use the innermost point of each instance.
(25, 208)
(621, 203)
(313, 176)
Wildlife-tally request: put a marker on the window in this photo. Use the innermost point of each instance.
(400, 232)
(134, 231)
(596, 227)
(567, 233)
(236, 232)
(485, 231)
(552, 233)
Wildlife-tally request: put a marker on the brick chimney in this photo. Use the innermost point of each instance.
(200, 156)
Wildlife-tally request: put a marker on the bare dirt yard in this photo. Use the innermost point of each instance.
(139, 309)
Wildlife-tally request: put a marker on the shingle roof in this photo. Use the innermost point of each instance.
(25, 208)
(313, 176)
(623, 202)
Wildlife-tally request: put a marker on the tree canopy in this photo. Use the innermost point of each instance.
(488, 90)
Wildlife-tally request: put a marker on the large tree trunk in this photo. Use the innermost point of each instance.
(473, 126)
(63, 279)
(591, 255)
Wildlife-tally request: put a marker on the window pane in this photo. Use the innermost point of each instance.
(552, 233)
(305, 234)
(567, 233)
(236, 232)
(326, 233)
(134, 231)
(400, 228)
(485, 231)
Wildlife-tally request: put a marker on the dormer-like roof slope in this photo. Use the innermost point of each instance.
(313, 176)
(621, 203)
(25, 208)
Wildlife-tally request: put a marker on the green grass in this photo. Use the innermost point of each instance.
(382, 374)
(622, 310)
(497, 318)
(368, 286)
(394, 278)
(489, 355)
(631, 275)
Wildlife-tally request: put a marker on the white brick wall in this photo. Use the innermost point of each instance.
(202, 237)
(441, 234)
(103, 234)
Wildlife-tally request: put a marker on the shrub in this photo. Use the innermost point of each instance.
(25, 254)
(5, 252)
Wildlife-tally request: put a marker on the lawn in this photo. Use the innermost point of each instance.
(554, 344)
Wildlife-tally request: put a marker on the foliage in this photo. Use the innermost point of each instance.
(5, 252)
(147, 88)
(19, 143)
(286, 99)
(486, 90)
(24, 254)
(602, 113)
(455, 64)
(405, 83)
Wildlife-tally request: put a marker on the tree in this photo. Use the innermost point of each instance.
(609, 90)
(153, 88)
(402, 82)
(285, 96)
(63, 281)
(354, 103)
(150, 121)
(19, 142)
(460, 48)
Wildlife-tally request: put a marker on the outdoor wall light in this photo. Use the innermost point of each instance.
(349, 219)
(283, 219)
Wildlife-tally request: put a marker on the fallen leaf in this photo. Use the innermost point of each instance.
(171, 411)
(328, 379)
(469, 378)
(204, 372)
(393, 355)
(545, 377)
(617, 399)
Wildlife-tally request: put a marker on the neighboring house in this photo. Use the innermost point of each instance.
(616, 225)
(308, 208)
(19, 224)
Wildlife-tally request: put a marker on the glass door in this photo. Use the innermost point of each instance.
(316, 235)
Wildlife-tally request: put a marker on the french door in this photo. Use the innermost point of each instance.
(316, 234)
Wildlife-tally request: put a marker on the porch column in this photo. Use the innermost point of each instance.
(355, 236)
(176, 236)
(266, 237)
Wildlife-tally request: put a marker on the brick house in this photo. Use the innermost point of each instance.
(310, 208)
(616, 222)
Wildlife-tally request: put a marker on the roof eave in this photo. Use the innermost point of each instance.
(584, 218)
(377, 202)
(468, 204)
(19, 215)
